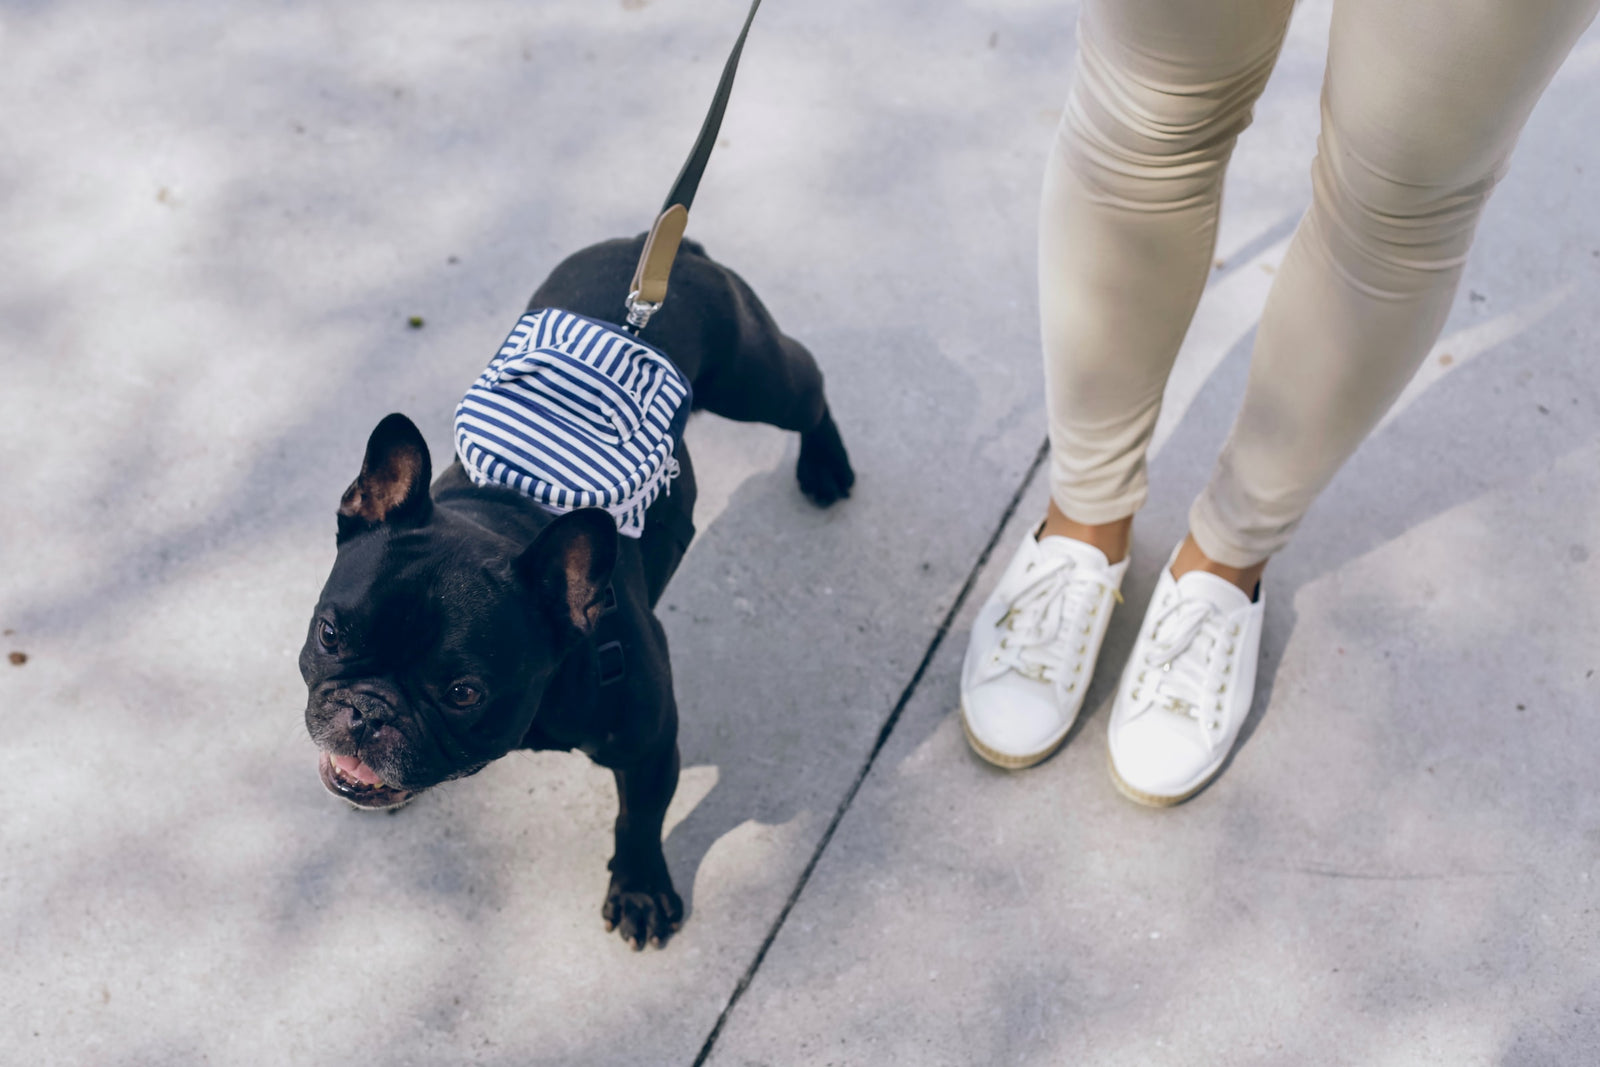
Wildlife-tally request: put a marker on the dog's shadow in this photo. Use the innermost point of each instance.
(755, 694)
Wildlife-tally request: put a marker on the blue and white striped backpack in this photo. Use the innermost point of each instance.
(575, 413)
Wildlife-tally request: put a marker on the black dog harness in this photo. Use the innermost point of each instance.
(609, 665)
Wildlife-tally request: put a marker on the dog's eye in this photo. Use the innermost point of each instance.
(463, 695)
(327, 636)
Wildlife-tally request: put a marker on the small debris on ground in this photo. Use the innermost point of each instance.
(415, 322)
(18, 658)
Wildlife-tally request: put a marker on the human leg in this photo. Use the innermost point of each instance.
(1127, 223)
(1422, 105)
(1126, 231)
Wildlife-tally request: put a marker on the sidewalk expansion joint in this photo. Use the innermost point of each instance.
(884, 733)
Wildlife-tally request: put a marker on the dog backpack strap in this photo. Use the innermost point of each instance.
(609, 664)
(649, 288)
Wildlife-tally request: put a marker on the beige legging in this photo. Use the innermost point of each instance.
(1421, 105)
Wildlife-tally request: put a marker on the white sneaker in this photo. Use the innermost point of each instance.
(1186, 689)
(1033, 648)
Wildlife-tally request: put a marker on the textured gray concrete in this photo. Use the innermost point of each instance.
(218, 219)
(1402, 863)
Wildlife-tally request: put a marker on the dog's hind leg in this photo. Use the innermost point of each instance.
(823, 468)
(767, 376)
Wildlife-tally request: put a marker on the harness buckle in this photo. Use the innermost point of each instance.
(609, 662)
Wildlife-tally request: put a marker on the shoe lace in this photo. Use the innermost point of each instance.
(1191, 653)
(1049, 620)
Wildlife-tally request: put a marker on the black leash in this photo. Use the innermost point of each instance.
(649, 286)
(688, 182)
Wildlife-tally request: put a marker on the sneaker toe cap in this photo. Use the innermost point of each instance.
(1013, 715)
(1154, 756)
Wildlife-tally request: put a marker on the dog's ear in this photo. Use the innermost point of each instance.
(568, 569)
(393, 484)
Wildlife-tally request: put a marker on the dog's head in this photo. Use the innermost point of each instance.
(434, 638)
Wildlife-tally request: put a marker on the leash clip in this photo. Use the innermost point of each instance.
(639, 311)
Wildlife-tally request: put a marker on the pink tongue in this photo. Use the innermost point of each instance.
(354, 768)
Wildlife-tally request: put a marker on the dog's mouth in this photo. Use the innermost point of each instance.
(347, 778)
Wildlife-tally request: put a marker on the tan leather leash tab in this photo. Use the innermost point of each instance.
(649, 288)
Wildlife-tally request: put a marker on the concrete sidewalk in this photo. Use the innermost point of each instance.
(217, 222)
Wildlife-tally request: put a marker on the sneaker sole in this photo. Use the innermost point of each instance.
(1155, 800)
(1003, 760)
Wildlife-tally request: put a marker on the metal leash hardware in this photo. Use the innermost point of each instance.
(649, 288)
(639, 312)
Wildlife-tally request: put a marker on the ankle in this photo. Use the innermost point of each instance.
(1191, 558)
(1112, 538)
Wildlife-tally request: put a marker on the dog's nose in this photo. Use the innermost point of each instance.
(365, 711)
(365, 717)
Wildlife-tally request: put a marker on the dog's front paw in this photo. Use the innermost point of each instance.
(824, 466)
(642, 908)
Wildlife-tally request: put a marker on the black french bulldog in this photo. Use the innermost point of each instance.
(462, 622)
